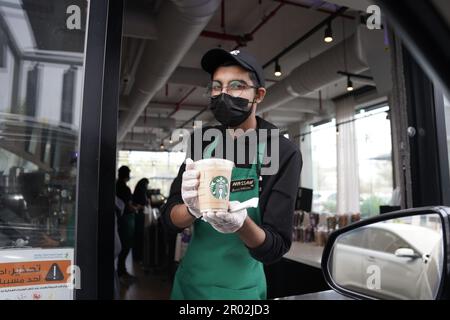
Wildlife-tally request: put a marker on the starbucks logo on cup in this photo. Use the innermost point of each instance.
(219, 187)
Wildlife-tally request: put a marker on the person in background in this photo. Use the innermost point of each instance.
(126, 221)
(140, 200)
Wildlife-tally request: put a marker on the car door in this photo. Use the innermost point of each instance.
(350, 275)
(394, 273)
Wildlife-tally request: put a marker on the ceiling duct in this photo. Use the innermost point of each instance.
(178, 24)
(321, 70)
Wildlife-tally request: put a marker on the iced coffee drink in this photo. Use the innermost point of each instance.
(214, 188)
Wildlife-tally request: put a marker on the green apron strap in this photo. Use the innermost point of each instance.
(261, 150)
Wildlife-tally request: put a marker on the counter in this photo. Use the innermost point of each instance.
(324, 295)
(298, 273)
(306, 253)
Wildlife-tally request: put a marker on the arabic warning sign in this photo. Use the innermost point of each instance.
(54, 274)
(36, 274)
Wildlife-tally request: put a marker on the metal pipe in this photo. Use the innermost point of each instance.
(262, 23)
(223, 36)
(304, 6)
(267, 18)
(222, 13)
(179, 103)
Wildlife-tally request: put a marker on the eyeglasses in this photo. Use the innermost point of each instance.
(234, 88)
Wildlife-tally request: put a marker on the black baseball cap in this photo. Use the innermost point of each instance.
(216, 57)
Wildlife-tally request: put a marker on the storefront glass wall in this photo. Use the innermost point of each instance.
(41, 75)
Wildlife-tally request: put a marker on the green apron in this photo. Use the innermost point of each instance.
(219, 266)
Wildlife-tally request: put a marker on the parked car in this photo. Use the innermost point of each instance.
(409, 258)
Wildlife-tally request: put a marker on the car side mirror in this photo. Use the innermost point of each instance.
(406, 253)
(400, 255)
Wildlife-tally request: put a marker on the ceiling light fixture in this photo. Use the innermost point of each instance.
(328, 37)
(349, 84)
(277, 72)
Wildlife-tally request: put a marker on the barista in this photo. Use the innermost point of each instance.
(228, 249)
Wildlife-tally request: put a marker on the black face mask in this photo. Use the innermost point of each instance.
(230, 111)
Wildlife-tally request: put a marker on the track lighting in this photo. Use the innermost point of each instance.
(328, 37)
(349, 84)
(277, 72)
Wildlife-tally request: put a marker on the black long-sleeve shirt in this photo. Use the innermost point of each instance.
(276, 200)
(123, 192)
(140, 196)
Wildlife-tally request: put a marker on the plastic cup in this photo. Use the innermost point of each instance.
(214, 188)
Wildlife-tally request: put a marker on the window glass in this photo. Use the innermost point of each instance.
(160, 168)
(41, 72)
(323, 146)
(373, 135)
(447, 123)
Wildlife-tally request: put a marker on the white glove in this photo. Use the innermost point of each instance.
(189, 188)
(226, 222)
